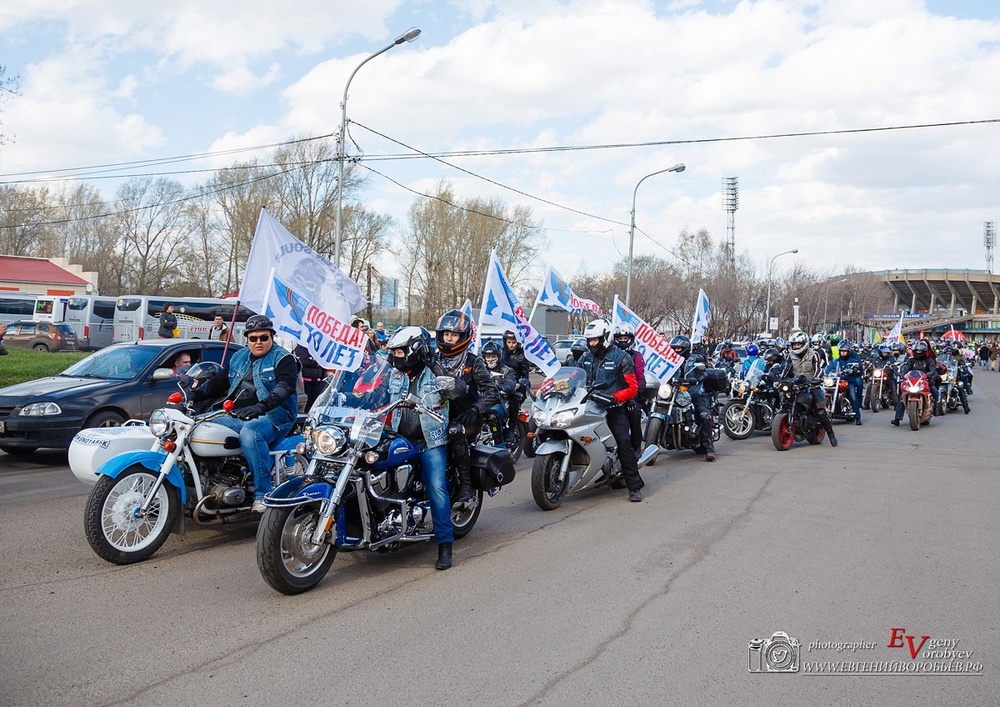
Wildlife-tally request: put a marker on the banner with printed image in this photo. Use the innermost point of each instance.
(660, 359)
(501, 308)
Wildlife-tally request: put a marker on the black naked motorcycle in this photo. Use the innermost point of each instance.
(674, 422)
(796, 418)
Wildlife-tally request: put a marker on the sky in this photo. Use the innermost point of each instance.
(810, 104)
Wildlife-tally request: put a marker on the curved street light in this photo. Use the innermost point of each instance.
(767, 323)
(679, 167)
(407, 36)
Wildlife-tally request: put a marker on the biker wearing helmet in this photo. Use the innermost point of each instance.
(692, 372)
(819, 345)
(804, 362)
(415, 370)
(261, 380)
(578, 348)
(850, 365)
(513, 357)
(503, 377)
(625, 340)
(614, 370)
(454, 334)
(728, 354)
(920, 360)
(751, 361)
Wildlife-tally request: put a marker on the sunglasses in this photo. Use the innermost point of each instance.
(262, 337)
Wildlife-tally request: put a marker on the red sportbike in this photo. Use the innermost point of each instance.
(915, 392)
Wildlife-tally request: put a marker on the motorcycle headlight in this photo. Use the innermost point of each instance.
(877, 373)
(664, 391)
(328, 440)
(828, 382)
(913, 388)
(539, 417)
(39, 409)
(160, 423)
(563, 418)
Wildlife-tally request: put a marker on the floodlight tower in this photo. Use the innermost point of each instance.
(730, 202)
(989, 240)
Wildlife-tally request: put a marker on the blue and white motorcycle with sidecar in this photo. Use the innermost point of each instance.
(148, 478)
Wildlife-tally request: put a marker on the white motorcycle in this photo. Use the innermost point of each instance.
(575, 448)
(186, 461)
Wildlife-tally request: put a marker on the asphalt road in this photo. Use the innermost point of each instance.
(599, 602)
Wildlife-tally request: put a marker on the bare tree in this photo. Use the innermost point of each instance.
(155, 222)
(448, 247)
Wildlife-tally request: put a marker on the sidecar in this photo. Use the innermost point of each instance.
(90, 448)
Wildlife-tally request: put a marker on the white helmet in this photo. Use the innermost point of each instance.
(598, 329)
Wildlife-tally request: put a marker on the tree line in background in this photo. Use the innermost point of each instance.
(156, 236)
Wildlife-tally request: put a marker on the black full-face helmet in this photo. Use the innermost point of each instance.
(920, 349)
(415, 343)
(681, 344)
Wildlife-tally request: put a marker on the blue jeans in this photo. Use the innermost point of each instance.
(434, 465)
(854, 391)
(255, 437)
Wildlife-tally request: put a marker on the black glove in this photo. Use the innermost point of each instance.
(601, 399)
(251, 412)
(469, 417)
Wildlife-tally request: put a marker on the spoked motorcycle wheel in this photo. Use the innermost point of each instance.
(546, 488)
(464, 516)
(114, 529)
(286, 556)
(913, 411)
(782, 432)
(874, 402)
(738, 420)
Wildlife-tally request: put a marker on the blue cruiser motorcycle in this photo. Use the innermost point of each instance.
(363, 488)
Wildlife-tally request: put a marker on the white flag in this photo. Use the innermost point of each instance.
(304, 294)
(896, 331)
(660, 359)
(299, 266)
(701, 318)
(501, 308)
(556, 292)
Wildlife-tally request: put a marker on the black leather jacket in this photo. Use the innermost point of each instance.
(483, 392)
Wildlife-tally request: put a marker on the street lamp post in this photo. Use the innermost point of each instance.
(407, 36)
(767, 322)
(679, 167)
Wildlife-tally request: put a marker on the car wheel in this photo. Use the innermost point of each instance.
(106, 418)
(16, 451)
(41, 347)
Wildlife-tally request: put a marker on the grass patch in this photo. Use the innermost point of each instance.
(27, 364)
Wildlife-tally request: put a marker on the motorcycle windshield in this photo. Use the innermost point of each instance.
(951, 362)
(832, 369)
(563, 384)
(352, 396)
(754, 373)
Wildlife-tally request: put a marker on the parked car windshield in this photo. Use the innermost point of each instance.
(116, 363)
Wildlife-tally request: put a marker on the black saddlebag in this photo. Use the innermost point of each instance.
(491, 467)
